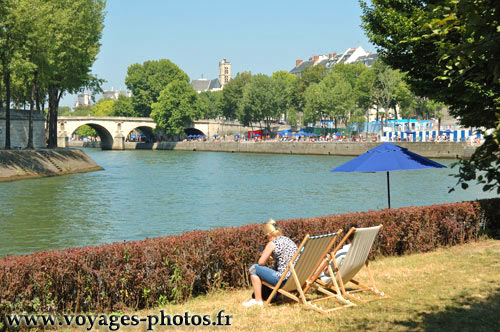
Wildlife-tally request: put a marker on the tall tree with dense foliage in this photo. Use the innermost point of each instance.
(344, 94)
(449, 48)
(314, 109)
(259, 102)
(73, 32)
(387, 81)
(9, 42)
(310, 75)
(284, 83)
(178, 105)
(104, 107)
(123, 107)
(31, 56)
(232, 95)
(146, 81)
(210, 104)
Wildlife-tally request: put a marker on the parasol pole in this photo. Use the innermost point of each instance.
(388, 191)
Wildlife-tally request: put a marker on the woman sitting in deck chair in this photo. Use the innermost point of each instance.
(282, 249)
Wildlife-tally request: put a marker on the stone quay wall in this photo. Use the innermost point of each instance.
(19, 125)
(25, 164)
(451, 150)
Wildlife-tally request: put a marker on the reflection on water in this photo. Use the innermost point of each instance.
(153, 193)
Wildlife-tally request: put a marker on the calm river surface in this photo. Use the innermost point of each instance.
(144, 194)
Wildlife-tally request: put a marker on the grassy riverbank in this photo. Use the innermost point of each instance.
(453, 289)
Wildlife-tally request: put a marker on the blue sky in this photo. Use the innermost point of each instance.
(257, 36)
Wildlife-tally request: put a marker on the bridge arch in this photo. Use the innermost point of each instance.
(145, 130)
(194, 131)
(104, 134)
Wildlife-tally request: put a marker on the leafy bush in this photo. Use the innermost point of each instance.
(156, 271)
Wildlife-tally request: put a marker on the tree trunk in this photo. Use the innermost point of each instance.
(7, 105)
(32, 102)
(37, 96)
(382, 125)
(52, 117)
(439, 126)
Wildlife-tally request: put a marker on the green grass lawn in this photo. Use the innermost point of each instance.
(452, 289)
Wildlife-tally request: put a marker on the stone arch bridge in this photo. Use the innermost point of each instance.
(111, 130)
(114, 130)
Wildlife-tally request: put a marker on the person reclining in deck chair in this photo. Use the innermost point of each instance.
(339, 258)
(282, 249)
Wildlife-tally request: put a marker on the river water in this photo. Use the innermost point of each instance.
(144, 194)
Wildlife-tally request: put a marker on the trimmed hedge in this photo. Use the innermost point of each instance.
(156, 271)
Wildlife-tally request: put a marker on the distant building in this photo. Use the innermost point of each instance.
(83, 99)
(351, 55)
(368, 59)
(224, 72)
(113, 94)
(203, 84)
(216, 84)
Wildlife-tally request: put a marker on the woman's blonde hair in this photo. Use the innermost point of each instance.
(272, 228)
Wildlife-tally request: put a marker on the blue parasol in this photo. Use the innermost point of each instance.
(385, 158)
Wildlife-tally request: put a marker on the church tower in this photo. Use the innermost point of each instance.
(224, 72)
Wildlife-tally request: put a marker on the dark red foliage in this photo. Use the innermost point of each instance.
(146, 273)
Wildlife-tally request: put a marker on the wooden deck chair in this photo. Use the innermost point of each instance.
(356, 257)
(310, 255)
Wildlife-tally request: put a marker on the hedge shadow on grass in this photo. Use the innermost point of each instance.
(468, 313)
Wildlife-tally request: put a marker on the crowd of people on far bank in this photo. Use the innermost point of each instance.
(333, 138)
(295, 137)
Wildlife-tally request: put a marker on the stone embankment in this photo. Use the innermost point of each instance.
(451, 150)
(25, 164)
(429, 150)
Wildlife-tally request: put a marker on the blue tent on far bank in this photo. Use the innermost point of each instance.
(385, 158)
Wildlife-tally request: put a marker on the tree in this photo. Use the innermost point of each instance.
(178, 105)
(314, 109)
(284, 84)
(123, 107)
(333, 96)
(355, 92)
(64, 111)
(71, 44)
(386, 83)
(406, 101)
(259, 102)
(449, 50)
(148, 80)
(8, 44)
(31, 56)
(86, 131)
(81, 110)
(232, 95)
(104, 107)
(313, 74)
(210, 103)
(363, 89)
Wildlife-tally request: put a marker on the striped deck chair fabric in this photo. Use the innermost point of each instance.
(355, 259)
